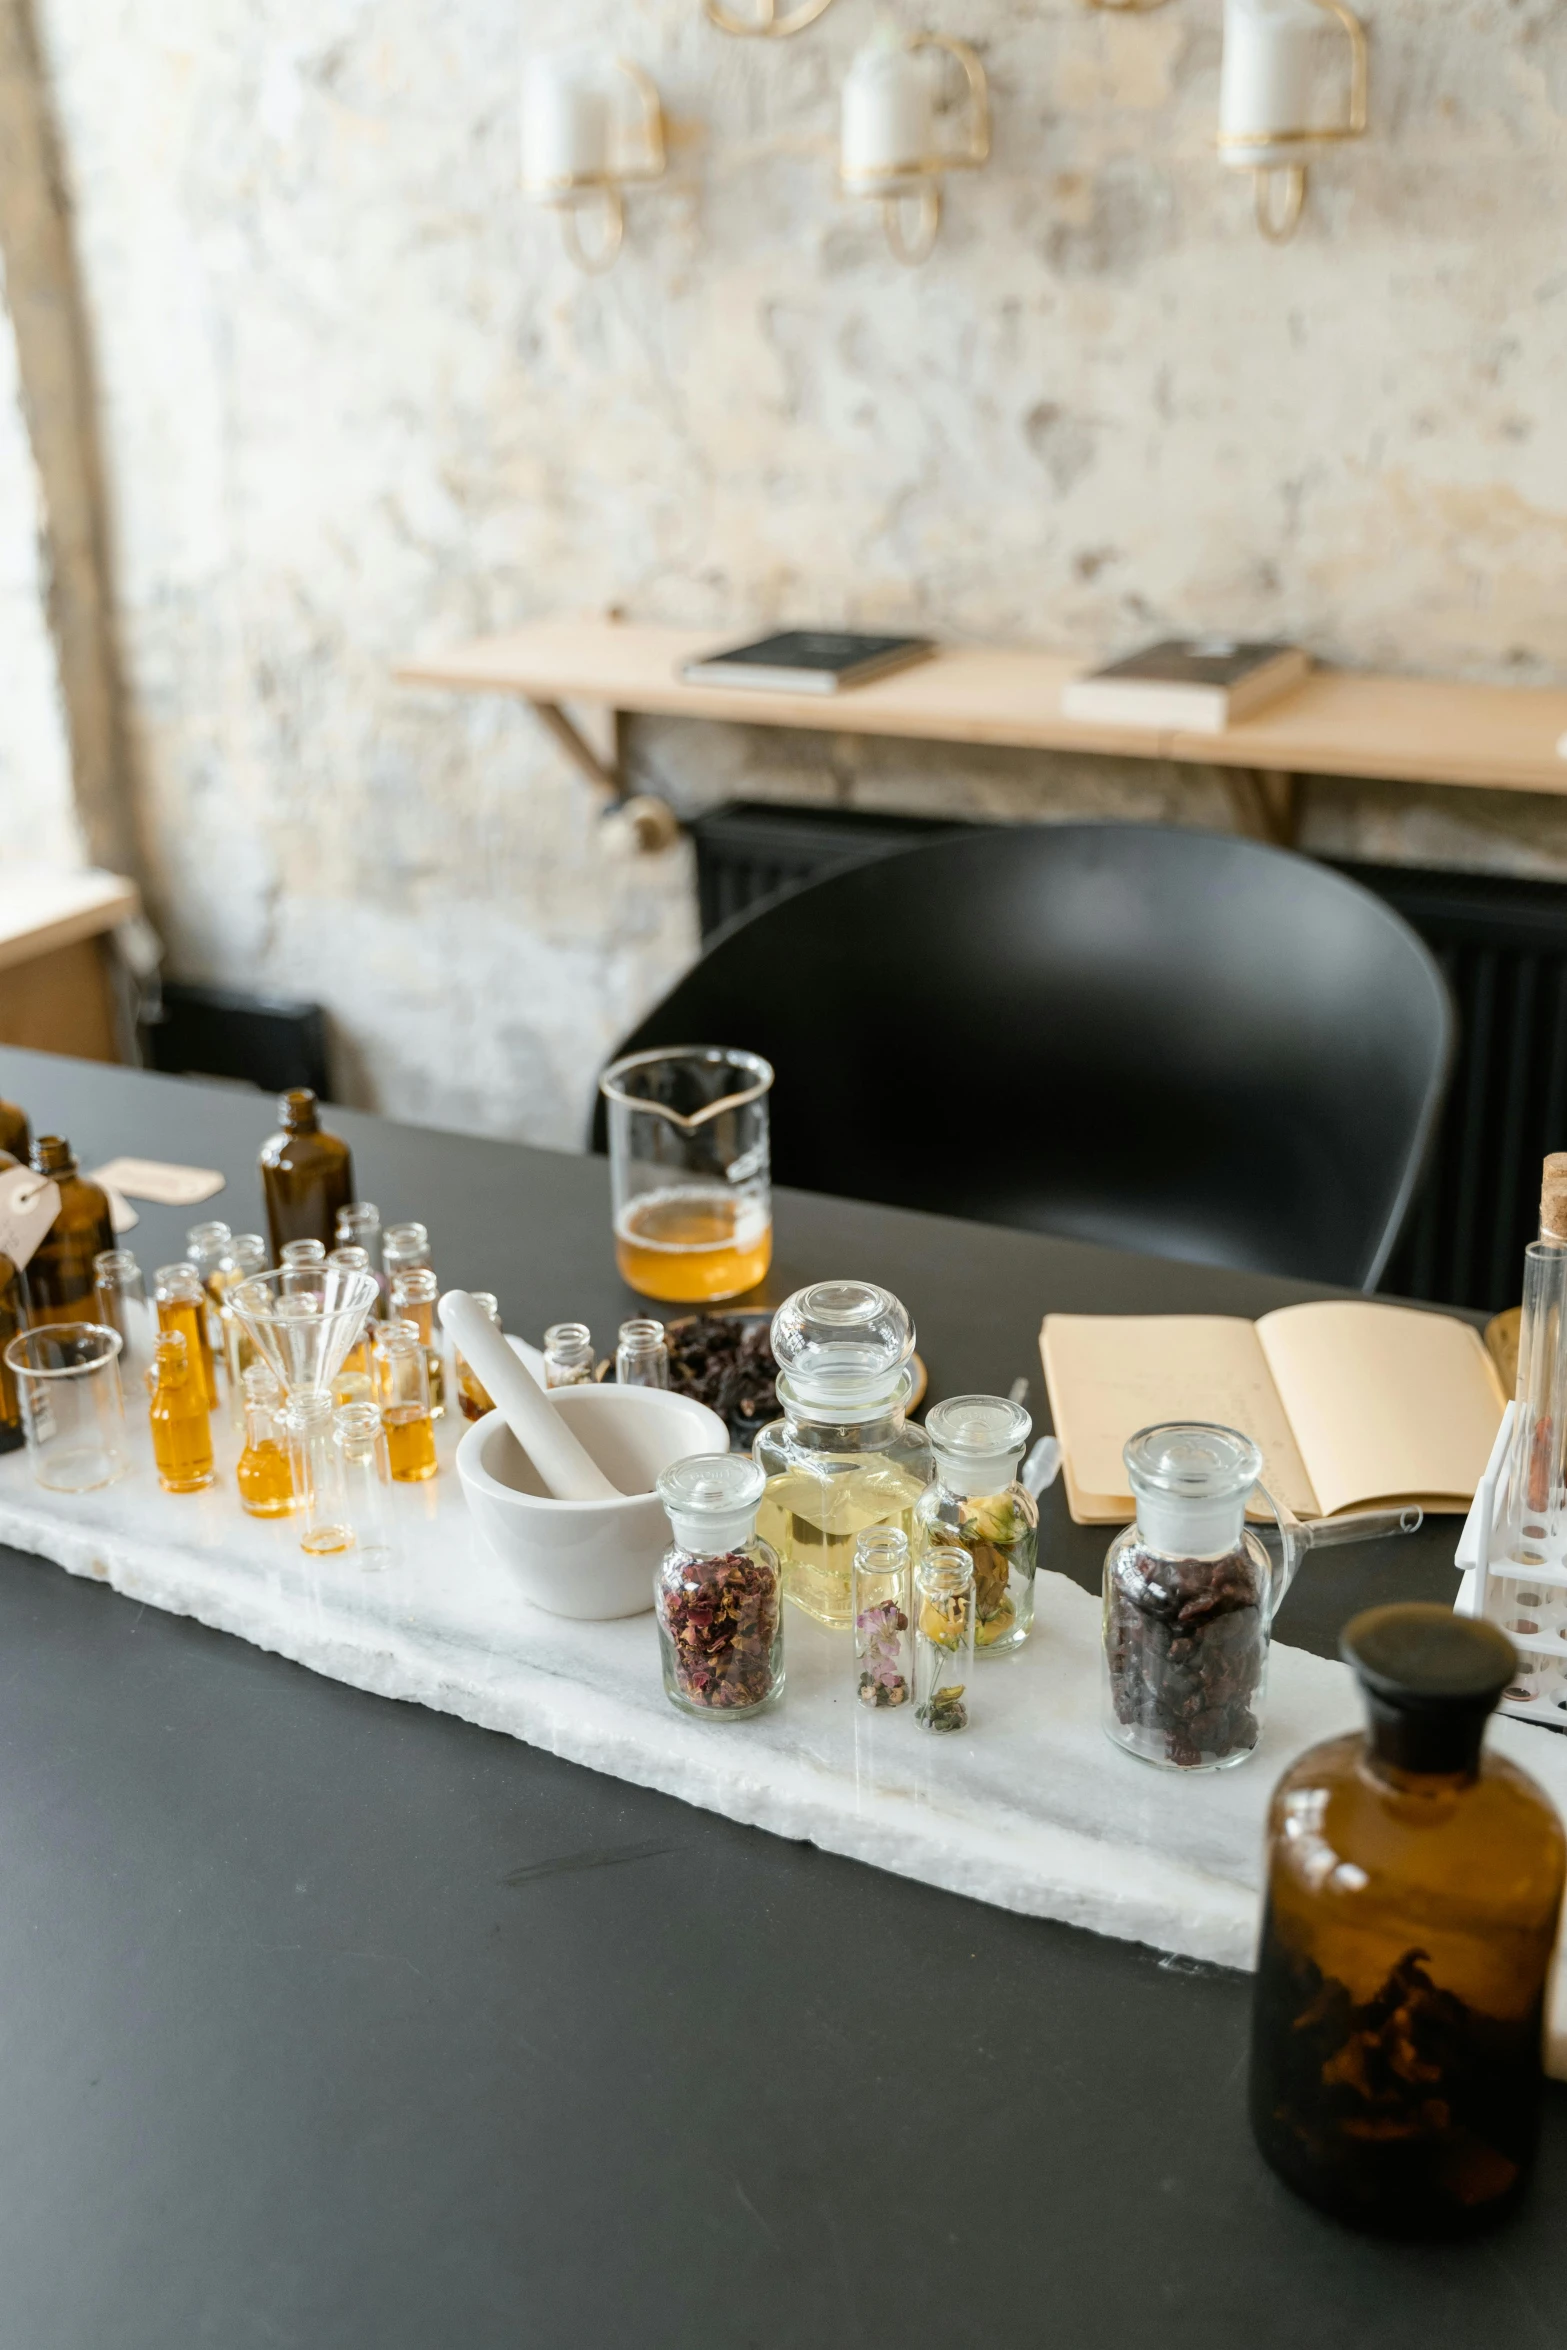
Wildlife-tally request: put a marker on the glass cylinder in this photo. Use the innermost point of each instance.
(716, 1595)
(413, 1299)
(402, 1391)
(61, 1282)
(358, 1435)
(181, 1302)
(121, 1298)
(177, 1412)
(265, 1473)
(245, 1255)
(307, 1175)
(690, 1171)
(943, 1639)
(1187, 1603)
(73, 1409)
(568, 1355)
(317, 1465)
(1414, 1884)
(843, 1458)
(641, 1356)
(975, 1499)
(473, 1397)
(883, 1661)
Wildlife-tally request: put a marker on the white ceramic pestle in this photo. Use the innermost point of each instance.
(562, 1461)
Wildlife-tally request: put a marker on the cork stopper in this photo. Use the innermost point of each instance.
(1553, 1197)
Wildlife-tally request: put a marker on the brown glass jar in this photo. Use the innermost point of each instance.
(16, 1135)
(306, 1175)
(62, 1285)
(13, 1319)
(1414, 1887)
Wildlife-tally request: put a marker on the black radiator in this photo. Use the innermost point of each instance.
(1501, 943)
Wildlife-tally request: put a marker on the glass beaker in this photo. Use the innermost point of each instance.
(689, 1171)
(73, 1411)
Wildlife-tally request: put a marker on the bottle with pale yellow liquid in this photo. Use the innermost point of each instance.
(843, 1460)
(690, 1172)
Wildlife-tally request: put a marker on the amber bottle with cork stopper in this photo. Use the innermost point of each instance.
(1414, 1886)
(62, 1282)
(307, 1175)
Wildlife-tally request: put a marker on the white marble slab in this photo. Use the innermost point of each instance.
(1032, 1809)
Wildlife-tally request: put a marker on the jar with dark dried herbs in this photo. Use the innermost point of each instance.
(718, 1596)
(1189, 1598)
(975, 1499)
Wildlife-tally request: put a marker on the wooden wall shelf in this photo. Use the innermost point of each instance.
(1412, 730)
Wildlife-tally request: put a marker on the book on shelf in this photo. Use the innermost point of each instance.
(808, 661)
(1199, 684)
(1351, 1403)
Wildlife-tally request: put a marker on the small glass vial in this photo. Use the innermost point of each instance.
(413, 1299)
(568, 1355)
(181, 1429)
(717, 1592)
(355, 1380)
(473, 1397)
(943, 1639)
(883, 1664)
(265, 1476)
(359, 1226)
(317, 1467)
(206, 1246)
(181, 1301)
(358, 1435)
(246, 1254)
(976, 1500)
(297, 1256)
(307, 1175)
(405, 1248)
(122, 1305)
(641, 1356)
(1414, 1885)
(402, 1391)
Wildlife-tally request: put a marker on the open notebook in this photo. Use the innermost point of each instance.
(1351, 1403)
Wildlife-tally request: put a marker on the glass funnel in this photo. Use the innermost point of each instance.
(690, 1171)
(303, 1321)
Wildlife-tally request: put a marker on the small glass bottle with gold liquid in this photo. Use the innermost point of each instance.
(61, 1282)
(264, 1476)
(473, 1397)
(402, 1389)
(206, 1246)
(181, 1301)
(307, 1175)
(413, 1299)
(181, 1429)
(355, 1381)
(843, 1459)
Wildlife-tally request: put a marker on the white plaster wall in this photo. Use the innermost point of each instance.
(357, 404)
(37, 814)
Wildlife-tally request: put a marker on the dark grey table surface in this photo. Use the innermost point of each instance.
(332, 2022)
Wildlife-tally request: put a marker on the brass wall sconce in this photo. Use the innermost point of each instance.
(1265, 100)
(573, 148)
(766, 21)
(887, 147)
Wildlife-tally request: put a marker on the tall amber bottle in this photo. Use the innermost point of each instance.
(1414, 1887)
(13, 1303)
(307, 1175)
(16, 1136)
(62, 1285)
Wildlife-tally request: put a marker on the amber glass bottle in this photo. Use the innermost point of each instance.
(1414, 1884)
(306, 1175)
(62, 1284)
(16, 1136)
(13, 1318)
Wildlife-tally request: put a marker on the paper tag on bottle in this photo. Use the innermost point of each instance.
(159, 1180)
(29, 1204)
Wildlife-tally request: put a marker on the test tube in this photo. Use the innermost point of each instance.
(1534, 1513)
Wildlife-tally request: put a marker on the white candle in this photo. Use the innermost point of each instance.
(887, 111)
(1266, 85)
(565, 124)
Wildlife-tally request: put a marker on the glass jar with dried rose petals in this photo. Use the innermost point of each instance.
(718, 1596)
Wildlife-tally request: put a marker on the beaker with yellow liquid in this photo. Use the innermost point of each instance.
(690, 1174)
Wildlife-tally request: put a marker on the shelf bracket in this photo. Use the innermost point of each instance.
(1267, 804)
(608, 775)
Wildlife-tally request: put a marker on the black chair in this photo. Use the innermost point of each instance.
(1172, 1041)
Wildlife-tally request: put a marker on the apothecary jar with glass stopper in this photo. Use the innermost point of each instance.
(843, 1458)
(975, 1500)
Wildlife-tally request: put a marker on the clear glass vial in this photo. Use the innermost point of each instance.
(177, 1413)
(883, 1663)
(319, 1492)
(415, 1294)
(206, 1247)
(402, 1392)
(843, 1458)
(265, 1475)
(359, 1226)
(360, 1439)
(473, 1397)
(641, 1356)
(975, 1499)
(717, 1595)
(122, 1305)
(1413, 1891)
(246, 1255)
(568, 1355)
(404, 1248)
(943, 1639)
